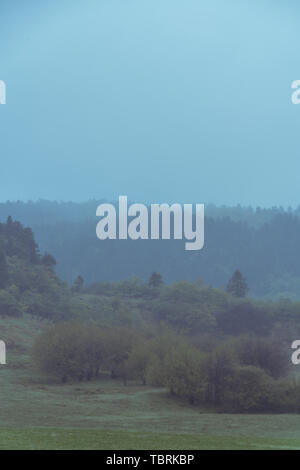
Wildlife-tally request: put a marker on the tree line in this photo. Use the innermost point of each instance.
(236, 237)
(243, 374)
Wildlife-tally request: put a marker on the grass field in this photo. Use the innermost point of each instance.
(94, 439)
(107, 415)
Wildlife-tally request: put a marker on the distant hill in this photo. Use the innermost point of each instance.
(262, 243)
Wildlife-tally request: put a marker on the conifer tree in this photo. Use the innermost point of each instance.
(237, 285)
(155, 280)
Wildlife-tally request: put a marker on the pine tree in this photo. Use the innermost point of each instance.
(78, 284)
(155, 280)
(237, 285)
(49, 260)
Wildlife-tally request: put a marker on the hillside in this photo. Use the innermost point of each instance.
(262, 243)
(28, 283)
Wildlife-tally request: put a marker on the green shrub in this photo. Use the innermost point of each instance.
(9, 305)
(184, 374)
(248, 391)
(70, 350)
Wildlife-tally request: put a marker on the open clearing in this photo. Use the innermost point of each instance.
(105, 414)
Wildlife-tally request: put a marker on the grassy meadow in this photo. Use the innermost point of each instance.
(105, 414)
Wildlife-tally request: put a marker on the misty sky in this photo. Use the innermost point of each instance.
(160, 100)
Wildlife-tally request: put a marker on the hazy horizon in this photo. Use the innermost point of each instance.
(154, 201)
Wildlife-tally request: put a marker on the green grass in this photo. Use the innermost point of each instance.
(104, 414)
(91, 439)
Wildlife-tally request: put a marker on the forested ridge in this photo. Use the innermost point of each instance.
(262, 243)
(28, 283)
